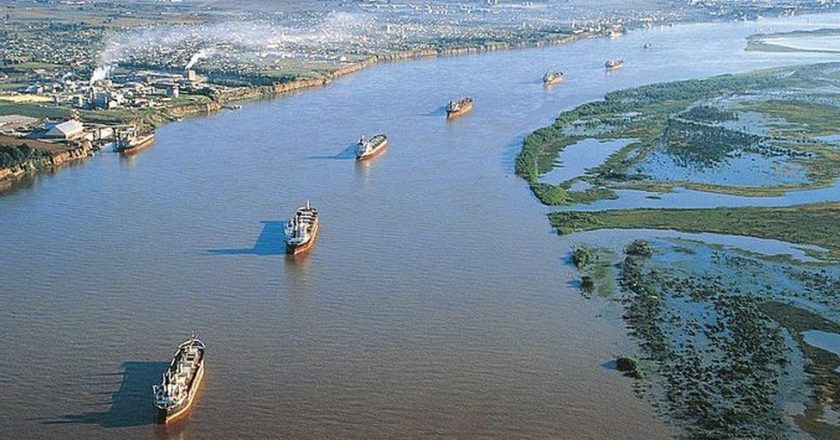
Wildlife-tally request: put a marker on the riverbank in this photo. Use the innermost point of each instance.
(257, 92)
(202, 105)
(22, 158)
(260, 92)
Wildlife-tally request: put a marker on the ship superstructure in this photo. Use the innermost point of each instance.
(302, 230)
(181, 380)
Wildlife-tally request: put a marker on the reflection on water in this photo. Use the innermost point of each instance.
(434, 304)
(297, 269)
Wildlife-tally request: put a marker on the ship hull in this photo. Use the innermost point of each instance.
(130, 149)
(172, 414)
(301, 248)
(375, 152)
(457, 113)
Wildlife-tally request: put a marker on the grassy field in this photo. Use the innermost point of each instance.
(34, 110)
(815, 224)
(23, 99)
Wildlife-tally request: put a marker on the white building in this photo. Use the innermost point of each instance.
(71, 129)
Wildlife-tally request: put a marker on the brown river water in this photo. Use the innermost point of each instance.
(437, 302)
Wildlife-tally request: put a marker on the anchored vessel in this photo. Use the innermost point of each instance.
(459, 107)
(181, 380)
(135, 142)
(614, 64)
(370, 148)
(302, 230)
(552, 78)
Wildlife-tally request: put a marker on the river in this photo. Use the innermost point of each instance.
(437, 302)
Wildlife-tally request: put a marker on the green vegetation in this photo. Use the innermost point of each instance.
(716, 346)
(587, 284)
(639, 248)
(815, 224)
(35, 111)
(14, 155)
(808, 118)
(821, 368)
(721, 367)
(683, 119)
(630, 366)
(555, 195)
(708, 114)
(597, 269)
(582, 256)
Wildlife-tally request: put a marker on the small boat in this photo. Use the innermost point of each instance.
(370, 148)
(551, 78)
(177, 390)
(614, 64)
(302, 230)
(459, 107)
(647, 46)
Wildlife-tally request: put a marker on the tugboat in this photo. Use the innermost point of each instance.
(134, 142)
(302, 230)
(459, 107)
(614, 64)
(181, 380)
(551, 78)
(370, 148)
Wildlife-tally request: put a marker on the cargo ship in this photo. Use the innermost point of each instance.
(552, 78)
(370, 148)
(614, 64)
(181, 380)
(134, 143)
(459, 107)
(302, 230)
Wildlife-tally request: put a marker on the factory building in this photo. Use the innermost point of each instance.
(66, 130)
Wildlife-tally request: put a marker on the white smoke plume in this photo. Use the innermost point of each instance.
(241, 37)
(203, 53)
(100, 73)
